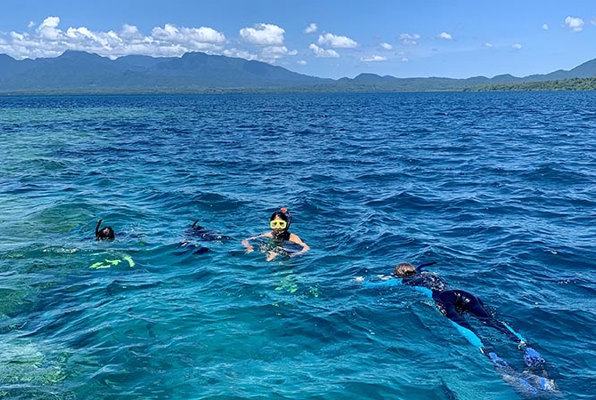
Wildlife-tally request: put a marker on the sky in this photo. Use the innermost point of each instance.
(324, 38)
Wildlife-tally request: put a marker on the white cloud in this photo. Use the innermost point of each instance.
(31, 24)
(48, 40)
(85, 38)
(517, 46)
(574, 24)
(263, 35)
(311, 28)
(489, 45)
(374, 58)
(196, 38)
(386, 46)
(322, 53)
(444, 36)
(409, 39)
(271, 53)
(338, 42)
(545, 27)
(47, 29)
(270, 39)
(17, 36)
(240, 54)
(301, 62)
(131, 32)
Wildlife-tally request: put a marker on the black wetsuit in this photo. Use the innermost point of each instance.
(453, 303)
(282, 237)
(276, 243)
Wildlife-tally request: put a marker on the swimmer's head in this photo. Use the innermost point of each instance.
(106, 233)
(279, 221)
(404, 270)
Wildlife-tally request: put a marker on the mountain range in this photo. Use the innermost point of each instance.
(82, 72)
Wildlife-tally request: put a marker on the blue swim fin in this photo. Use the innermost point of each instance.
(500, 364)
(532, 358)
(527, 386)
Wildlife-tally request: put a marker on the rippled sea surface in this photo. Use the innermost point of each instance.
(498, 188)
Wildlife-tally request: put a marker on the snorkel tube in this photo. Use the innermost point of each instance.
(288, 214)
(97, 227)
(428, 264)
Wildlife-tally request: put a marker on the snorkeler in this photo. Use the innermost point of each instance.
(454, 304)
(202, 233)
(279, 223)
(197, 233)
(105, 233)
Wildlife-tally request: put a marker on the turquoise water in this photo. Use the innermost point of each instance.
(498, 188)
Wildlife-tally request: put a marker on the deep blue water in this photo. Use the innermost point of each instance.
(498, 188)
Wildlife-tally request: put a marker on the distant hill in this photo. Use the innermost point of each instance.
(80, 71)
(83, 72)
(563, 84)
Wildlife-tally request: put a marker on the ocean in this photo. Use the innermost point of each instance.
(498, 188)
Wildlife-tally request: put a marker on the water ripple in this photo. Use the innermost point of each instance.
(498, 188)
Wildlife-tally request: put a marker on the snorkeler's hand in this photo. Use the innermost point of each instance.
(249, 249)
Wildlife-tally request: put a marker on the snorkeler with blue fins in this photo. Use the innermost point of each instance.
(279, 235)
(454, 304)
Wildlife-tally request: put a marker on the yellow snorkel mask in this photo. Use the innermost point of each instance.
(278, 224)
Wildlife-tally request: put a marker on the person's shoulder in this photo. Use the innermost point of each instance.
(294, 238)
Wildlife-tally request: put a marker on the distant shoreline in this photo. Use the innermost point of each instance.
(574, 84)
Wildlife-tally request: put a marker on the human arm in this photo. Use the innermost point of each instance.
(246, 242)
(296, 239)
(383, 282)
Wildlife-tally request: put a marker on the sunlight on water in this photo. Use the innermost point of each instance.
(497, 188)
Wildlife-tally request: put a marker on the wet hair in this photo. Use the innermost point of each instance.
(404, 270)
(280, 215)
(284, 215)
(106, 233)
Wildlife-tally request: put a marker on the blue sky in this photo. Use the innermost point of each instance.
(450, 38)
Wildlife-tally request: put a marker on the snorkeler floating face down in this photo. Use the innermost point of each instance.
(404, 270)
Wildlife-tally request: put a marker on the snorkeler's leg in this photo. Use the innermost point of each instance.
(532, 358)
(476, 307)
(447, 303)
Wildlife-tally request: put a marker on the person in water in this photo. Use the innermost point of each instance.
(201, 233)
(196, 235)
(279, 223)
(455, 303)
(105, 233)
